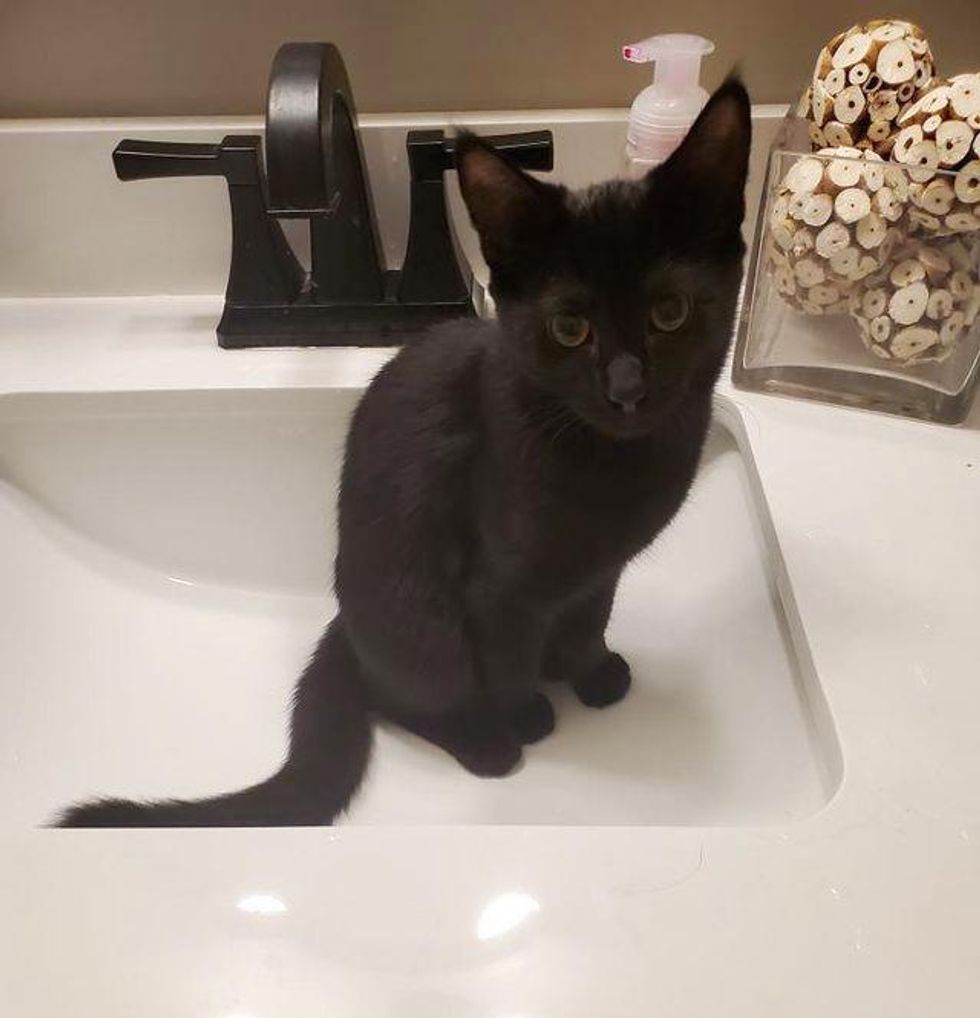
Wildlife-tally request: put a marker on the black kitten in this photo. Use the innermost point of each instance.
(498, 477)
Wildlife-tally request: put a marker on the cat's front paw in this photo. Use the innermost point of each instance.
(490, 756)
(607, 683)
(532, 720)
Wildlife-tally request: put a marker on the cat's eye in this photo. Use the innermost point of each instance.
(569, 330)
(669, 312)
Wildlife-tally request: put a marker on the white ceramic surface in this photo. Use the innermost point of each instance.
(868, 907)
(180, 546)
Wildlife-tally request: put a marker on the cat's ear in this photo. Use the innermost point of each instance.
(706, 175)
(510, 209)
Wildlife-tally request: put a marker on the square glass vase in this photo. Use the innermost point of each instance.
(863, 287)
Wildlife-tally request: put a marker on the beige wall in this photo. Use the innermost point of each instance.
(150, 57)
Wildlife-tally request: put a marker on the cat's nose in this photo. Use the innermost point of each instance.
(625, 385)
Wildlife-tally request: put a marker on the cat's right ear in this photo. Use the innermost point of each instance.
(509, 208)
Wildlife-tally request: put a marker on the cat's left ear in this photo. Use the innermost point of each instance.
(511, 210)
(705, 177)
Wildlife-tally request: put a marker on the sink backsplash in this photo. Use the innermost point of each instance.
(68, 227)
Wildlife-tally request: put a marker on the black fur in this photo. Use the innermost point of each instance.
(496, 482)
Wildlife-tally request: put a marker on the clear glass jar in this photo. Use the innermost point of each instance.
(864, 284)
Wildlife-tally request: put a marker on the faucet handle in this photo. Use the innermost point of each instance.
(430, 154)
(433, 272)
(146, 160)
(263, 265)
(237, 159)
(531, 150)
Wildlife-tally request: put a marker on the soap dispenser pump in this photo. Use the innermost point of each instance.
(663, 112)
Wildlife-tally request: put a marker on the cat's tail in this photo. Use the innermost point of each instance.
(329, 749)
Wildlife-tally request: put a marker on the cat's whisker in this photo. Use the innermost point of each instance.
(542, 420)
(573, 424)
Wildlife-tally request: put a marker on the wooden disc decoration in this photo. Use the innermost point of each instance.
(925, 303)
(830, 227)
(938, 142)
(861, 80)
(883, 221)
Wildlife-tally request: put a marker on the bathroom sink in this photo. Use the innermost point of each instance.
(166, 570)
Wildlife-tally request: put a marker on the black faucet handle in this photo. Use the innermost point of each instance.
(531, 150)
(145, 160)
(263, 266)
(237, 159)
(430, 153)
(431, 271)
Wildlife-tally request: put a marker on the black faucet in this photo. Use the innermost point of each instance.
(314, 170)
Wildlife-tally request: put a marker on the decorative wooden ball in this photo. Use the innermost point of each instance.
(831, 226)
(921, 304)
(896, 243)
(861, 80)
(938, 139)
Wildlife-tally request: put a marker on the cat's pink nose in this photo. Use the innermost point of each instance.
(625, 385)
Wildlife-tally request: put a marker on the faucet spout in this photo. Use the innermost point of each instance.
(315, 170)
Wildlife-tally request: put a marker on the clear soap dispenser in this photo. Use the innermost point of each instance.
(663, 112)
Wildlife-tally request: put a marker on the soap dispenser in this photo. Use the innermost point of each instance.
(663, 112)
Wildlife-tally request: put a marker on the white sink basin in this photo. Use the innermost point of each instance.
(166, 569)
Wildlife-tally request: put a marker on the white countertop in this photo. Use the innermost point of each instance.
(870, 909)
